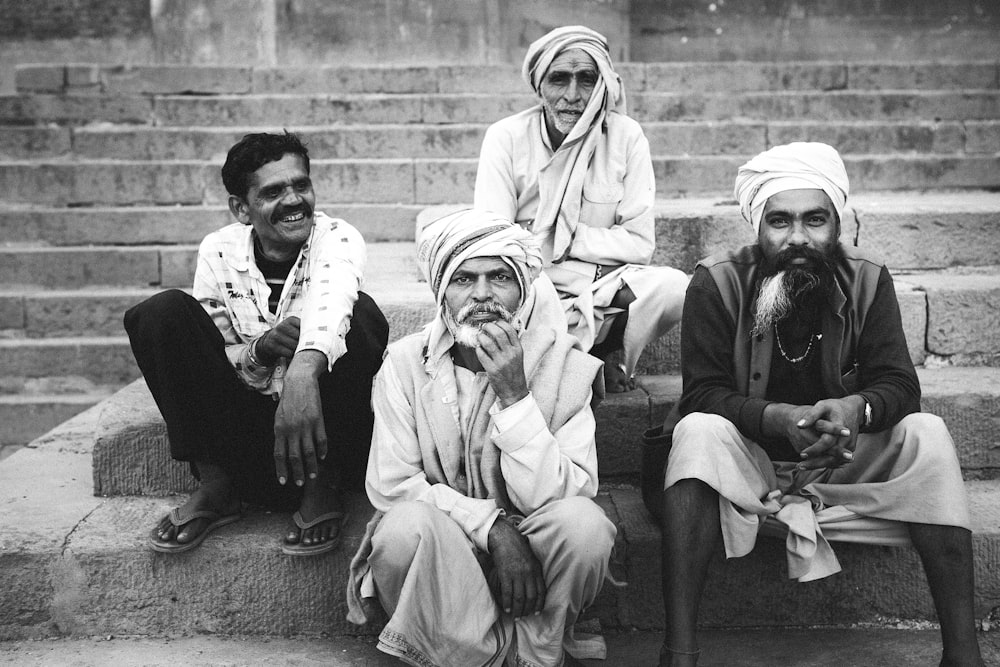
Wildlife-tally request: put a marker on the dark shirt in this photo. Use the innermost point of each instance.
(877, 364)
(275, 273)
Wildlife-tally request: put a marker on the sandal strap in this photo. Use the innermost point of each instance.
(673, 651)
(304, 525)
(178, 520)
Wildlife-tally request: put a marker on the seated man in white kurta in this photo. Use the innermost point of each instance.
(801, 409)
(484, 464)
(576, 171)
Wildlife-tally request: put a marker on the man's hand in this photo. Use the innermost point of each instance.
(837, 422)
(299, 431)
(279, 342)
(516, 580)
(500, 353)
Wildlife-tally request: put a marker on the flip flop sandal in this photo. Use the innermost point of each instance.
(217, 521)
(299, 549)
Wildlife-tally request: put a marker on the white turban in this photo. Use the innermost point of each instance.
(545, 49)
(795, 166)
(447, 242)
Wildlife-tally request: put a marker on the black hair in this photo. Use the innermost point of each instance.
(254, 151)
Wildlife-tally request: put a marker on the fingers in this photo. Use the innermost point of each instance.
(506, 593)
(280, 461)
(540, 592)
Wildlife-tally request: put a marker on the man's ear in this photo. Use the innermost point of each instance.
(239, 208)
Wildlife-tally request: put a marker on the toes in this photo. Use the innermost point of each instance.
(292, 536)
(190, 531)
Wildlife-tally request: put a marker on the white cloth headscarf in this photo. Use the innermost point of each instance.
(560, 183)
(795, 166)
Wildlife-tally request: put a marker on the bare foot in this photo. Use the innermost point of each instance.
(318, 498)
(216, 497)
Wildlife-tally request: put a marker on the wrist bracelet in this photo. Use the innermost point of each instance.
(253, 357)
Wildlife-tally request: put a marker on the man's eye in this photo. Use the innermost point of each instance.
(817, 220)
(588, 79)
(303, 186)
(558, 78)
(461, 280)
(503, 277)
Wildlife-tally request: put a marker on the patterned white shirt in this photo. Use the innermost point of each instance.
(321, 290)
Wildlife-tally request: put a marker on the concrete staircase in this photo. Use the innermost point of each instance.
(109, 178)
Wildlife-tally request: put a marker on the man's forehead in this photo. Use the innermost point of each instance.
(805, 199)
(482, 265)
(572, 60)
(291, 165)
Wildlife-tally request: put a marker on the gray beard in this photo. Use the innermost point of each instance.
(465, 334)
(777, 298)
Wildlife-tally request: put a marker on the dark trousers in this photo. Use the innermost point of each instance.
(212, 416)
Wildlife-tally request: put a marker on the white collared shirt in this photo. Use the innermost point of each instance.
(321, 290)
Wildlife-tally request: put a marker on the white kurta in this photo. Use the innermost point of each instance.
(614, 241)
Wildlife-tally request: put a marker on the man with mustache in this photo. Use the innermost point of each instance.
(486, 544)
(576, 171)
(801, 410)
(263, 376)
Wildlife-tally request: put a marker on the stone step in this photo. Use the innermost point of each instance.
(131, 454)
(434, 181)
(962, 224)
(699, 137)
(73, 563)
(637, 76)
(24, 417)
(336, 109)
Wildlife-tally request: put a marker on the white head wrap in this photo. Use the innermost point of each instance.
(447, 242)
(795, 166)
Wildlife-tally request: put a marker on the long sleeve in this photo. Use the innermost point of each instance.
(707, 363)
(209, 277)
(540, 466)
(886, 375)
(495, 187)
(395, 469)
(337, 261)
(632, 237)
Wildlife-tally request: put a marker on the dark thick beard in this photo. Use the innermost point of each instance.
(792, 290)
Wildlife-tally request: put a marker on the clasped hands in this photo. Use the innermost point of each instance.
(825, 434)
(299, 430)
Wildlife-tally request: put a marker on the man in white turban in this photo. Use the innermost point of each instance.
(576, 171)
(486, 544)
(800, 412)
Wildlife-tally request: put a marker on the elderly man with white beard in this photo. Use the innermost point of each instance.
(801, 407)
(486, 545)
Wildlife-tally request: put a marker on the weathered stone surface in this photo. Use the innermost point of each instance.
(444, 181)
(17, 143)
(963, 312)
(177, 266)
(873, 137)
(922, 75)
(936, 230)
(79, 267)
(276, 110)
(472, 108)
(744, 76)
(24, 418)
(40, 78)
(968, 400)
(55, 314)
(30, 109)
(913, 311)
(104, 360)
(706, 138)
(176, 80)
(982, 136)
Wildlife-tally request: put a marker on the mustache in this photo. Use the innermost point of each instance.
(491, 307)
(303, 208)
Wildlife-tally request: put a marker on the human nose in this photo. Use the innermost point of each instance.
(481, 289)
(797, 235)
(290, 197)
(572, 91)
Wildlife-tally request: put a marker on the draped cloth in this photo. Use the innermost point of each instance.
(560, 182)
(906, 474)
(795, 166)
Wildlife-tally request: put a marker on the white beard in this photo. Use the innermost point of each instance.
(466, 334)
(564, 126)
(777, 296)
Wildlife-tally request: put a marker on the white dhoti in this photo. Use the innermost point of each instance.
(907, 474)
(659, 302)
(429, 578)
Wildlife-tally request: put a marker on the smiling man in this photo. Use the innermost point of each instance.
(264, 376)
(801, 410)
(576, 171)
(487, 544)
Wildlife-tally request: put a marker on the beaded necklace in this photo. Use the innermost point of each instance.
(795, 360)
